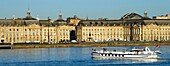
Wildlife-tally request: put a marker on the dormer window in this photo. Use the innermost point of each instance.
(102, 23)
(96, 23)
(91, 23)
(108, 24)
(86, 24)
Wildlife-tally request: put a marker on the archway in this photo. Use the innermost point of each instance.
(73, 35)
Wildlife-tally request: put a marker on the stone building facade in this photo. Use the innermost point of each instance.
(97, 30)
(31, 30)
(131, 27)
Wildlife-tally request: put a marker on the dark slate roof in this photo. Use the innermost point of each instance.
(99, 22)
(19, 22)
(158, 21)
(7, 22)
(46, 23)
(123, 22)
(11, 22)
(60, 22)
(29, 18)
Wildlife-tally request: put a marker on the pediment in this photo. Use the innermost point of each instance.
(136, 25)
(34, 26)
(132, 16)
(136, 17)
(152, 26)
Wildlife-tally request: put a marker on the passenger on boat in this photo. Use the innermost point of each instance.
(93, 49)
(104, 49)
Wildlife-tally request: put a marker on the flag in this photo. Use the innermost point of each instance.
(158, 46)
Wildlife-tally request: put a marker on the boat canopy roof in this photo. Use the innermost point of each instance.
(137, 49)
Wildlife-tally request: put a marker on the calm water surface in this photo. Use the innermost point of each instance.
(74, 56)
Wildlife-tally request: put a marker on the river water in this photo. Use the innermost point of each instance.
(74, 56)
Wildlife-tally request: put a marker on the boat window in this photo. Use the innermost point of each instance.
(131, 50)
(122, 55)
(123, 51)
(143, 49)
(119, 55)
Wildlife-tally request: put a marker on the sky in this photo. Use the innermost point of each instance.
(93, 9)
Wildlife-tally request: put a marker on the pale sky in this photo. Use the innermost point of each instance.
(112, 9)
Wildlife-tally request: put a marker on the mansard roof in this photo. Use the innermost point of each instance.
(7, 22)
(12, 22)
(29, 18)
(99, 22)
(158, 21)
(46, 23)
(29, 22)
(123, 22)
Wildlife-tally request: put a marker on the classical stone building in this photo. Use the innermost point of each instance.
(29, 29)
(97, 30)
(131, 27)
(167, 16)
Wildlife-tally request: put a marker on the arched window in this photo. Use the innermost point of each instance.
(91, 23)
(102, 23)
(96, 24)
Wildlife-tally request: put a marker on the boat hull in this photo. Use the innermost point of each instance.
(110, 56)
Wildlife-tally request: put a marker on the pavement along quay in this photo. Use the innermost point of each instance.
(103, 44)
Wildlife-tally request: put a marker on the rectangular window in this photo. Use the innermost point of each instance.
(44, 33)
(51, 33)
(21, 33)
(33, 33)
(30, 33)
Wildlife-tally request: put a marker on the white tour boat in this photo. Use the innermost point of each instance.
(133, 53)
